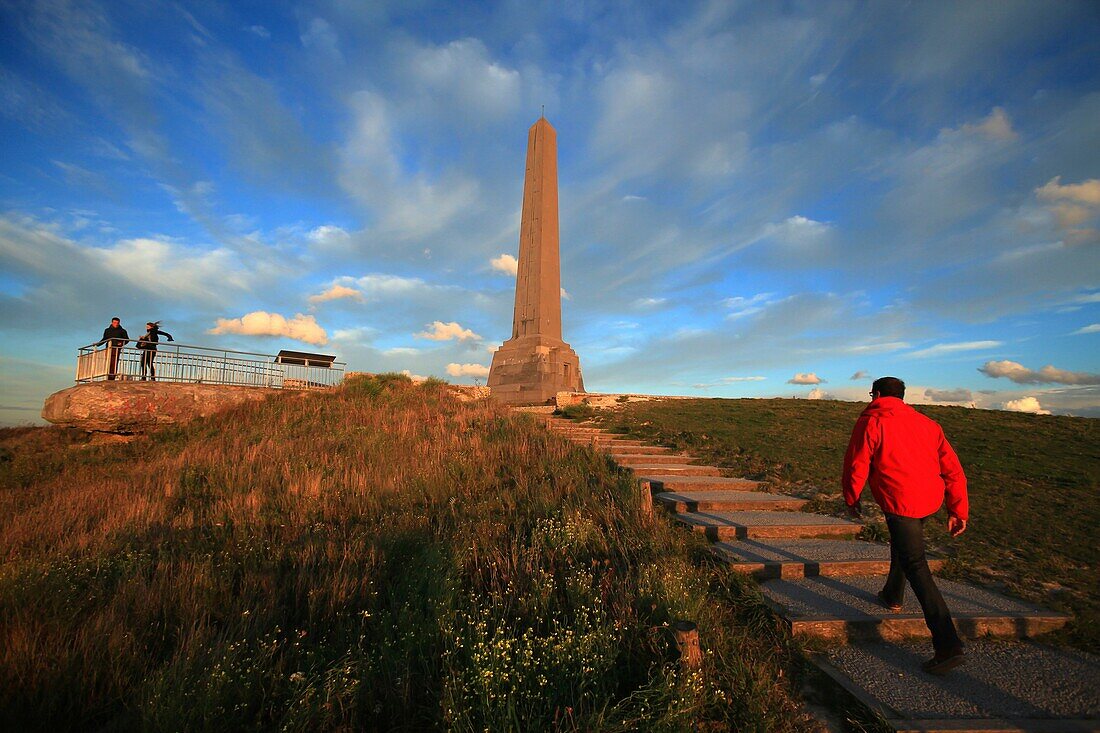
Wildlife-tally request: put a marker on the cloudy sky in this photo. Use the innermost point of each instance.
(757, 199)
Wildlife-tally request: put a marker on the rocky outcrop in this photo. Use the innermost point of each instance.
(137, 407)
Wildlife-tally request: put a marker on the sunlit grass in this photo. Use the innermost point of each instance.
(382, 557)
(1034, 483)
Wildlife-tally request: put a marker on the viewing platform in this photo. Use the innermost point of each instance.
(190, 364)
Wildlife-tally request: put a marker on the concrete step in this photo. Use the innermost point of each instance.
(662, 481)
(610, 441)
(797, 558)
(762, 524)
(615, 449)
(696, 501)
(668, 470)
(843, 609)
(1003, 686)
(640, 459)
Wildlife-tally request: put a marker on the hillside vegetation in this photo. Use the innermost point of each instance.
(381, 557)
(1034, 483)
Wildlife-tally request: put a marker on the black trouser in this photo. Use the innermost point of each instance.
(907, 562)
(147, 358)
(112, 361)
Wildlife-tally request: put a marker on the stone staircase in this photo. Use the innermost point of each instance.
(822, 583)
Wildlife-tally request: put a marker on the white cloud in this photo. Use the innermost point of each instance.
(146, 268)
(440, 331)
(359, 334)
(805, 378)
(1022, 375)
(170, 268)
(1073, 205)
(410, 205)
(1026, 404)
(261, 323)
(996, 126)
(260, 31)
(1085, 299)
(336, 292)
(506, 263)
(875, 348)
(565, 295)
(320, 36)
(939, 349)
(1086, 192)
(861, 374)
(649, 302)
(818, 394)
(798, 229)
(467, 370)
(379, 285)
(461, 75)
(401, 351)
(414, 377)
(1091, 328)
(949, 395)
(329, 236)
(740, 307)
(730, 380)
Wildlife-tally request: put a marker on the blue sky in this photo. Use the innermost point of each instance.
(757, 199)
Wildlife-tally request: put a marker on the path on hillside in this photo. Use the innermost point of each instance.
(823, 582)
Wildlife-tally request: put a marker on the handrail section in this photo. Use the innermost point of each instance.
(191, 364)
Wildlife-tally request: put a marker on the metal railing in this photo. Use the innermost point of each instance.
(174, 362)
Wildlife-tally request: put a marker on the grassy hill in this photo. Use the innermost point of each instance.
(380, 557)
(1034, 483)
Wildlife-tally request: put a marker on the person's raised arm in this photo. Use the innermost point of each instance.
(857, 461)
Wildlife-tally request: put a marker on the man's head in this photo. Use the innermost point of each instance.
(116, 322)
(888, 387)
(150, 325)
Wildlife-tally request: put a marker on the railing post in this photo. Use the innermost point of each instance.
(686, 634)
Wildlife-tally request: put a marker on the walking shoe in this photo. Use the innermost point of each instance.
(888, 605)
(944, 662)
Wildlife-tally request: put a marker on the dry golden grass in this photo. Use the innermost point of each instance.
(379, 557)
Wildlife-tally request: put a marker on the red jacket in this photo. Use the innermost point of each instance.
(908, 460)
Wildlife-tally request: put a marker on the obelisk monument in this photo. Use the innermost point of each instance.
(535, 364)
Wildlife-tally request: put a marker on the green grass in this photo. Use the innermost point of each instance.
(381, 557)
(1033, 484)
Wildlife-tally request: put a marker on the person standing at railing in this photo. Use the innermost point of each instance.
(115, 337)
(148, 346)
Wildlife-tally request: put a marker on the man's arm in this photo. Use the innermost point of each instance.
(857, 460)
(954, 483)
(104, 339)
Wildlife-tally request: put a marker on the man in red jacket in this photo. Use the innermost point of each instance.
(911, 467)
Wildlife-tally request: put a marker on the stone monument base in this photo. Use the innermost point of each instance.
(531, 370)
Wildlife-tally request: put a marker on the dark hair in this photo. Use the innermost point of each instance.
(889, 387)
(116, 318)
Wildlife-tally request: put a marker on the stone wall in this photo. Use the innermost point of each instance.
(565, 399)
